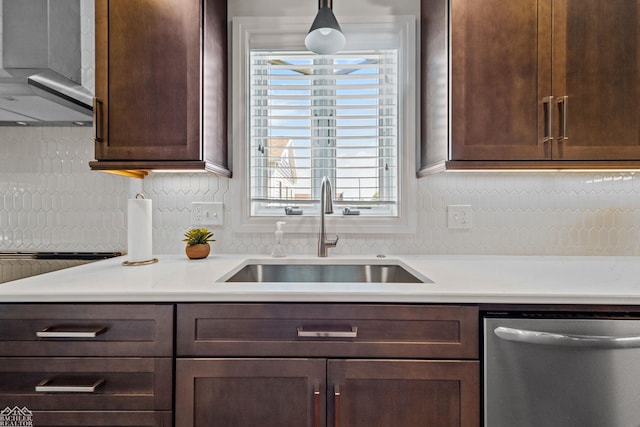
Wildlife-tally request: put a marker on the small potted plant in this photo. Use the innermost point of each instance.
(198, 242)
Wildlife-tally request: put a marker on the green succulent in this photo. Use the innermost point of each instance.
(197, 236)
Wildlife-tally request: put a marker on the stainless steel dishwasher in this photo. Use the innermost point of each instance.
(561, 370)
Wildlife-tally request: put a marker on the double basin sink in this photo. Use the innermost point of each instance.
(326, 273)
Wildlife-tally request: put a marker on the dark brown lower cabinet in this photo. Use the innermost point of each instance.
(87, 365)
(326, 392)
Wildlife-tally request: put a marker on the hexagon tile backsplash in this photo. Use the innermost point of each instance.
(50, 200)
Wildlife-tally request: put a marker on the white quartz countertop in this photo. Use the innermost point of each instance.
(456, 279)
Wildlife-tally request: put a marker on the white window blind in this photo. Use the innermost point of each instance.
(317, 115)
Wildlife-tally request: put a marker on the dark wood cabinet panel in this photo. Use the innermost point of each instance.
(127, 383)
(497, 79)
(434, 87)
(419, 331)
(373, 365)
(88, 364)
(550, 84)
(150, 82)
(595, 49)
(407, 393)
(250, 392)
(215, 84)
(122, 330)
(319, 392)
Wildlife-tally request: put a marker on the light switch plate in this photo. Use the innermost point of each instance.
(207, 213)
(459, 216)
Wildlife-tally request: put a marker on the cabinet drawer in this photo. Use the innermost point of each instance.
(65, 383)
(101, 419)
(330, 330)
(86, 330)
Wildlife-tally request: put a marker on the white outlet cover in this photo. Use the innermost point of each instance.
(459, 216)
(207, 213)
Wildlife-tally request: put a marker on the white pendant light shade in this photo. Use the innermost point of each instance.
(325, 36)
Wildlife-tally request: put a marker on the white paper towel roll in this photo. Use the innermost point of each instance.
(139, 230)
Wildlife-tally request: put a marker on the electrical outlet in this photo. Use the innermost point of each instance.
(206, 213)
(459, 216)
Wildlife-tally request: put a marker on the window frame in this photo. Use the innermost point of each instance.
(288, 33)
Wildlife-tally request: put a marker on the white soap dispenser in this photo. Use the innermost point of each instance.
(278, 250)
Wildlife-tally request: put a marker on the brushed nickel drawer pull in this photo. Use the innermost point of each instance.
(69, 385)
(71, 332)
(353, 333)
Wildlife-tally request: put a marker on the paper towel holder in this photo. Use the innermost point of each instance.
(145, 262)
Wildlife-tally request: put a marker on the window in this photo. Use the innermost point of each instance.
(313, 116)
(350, 116)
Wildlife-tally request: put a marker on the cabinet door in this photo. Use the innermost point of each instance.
(148, 80)
(500, 73)
(250, 392)
(403, 393)
(596, 67)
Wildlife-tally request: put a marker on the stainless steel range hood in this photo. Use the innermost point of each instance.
(40, 74)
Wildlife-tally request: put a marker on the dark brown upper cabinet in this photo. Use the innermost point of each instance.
(161, 86)
(533, 84)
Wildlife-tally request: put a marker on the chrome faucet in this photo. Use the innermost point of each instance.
(326, 207)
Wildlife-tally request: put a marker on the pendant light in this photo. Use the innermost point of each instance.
(325, 36)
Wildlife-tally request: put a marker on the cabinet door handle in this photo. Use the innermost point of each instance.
(316, 407)
(98, 124)
(71, 332)
(547, 107)
(69, 385)
(336, 405)
(563, 112)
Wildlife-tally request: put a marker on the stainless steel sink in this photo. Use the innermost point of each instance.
(347, 273)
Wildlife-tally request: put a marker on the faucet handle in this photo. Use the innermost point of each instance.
(332, 243)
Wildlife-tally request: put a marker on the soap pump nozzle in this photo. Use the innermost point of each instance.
(278, 249)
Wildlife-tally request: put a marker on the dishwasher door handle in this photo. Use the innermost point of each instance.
(566, 340)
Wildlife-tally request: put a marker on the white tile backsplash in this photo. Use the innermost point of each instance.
(50, 200)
